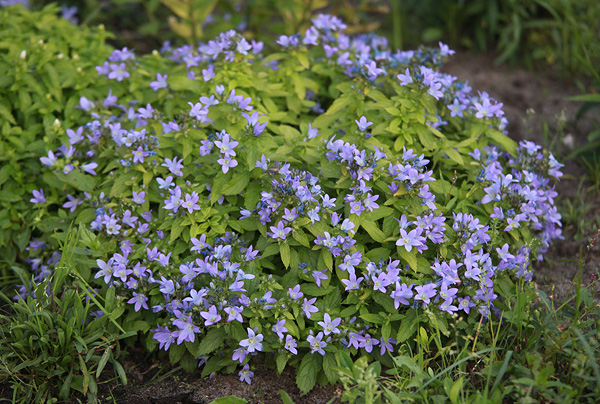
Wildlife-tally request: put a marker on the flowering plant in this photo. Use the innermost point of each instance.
(331, 195)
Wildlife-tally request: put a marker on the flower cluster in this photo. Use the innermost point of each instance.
(355, 232)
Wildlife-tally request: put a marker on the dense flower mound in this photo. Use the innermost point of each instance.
(330, 195)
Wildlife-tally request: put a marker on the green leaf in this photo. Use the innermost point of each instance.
(408, 326)
(301, 237)
(303, 60)
(6, 114)
(237, 184)
(312, 289)
(409, 257)
(284, 252)
(80, 181)
(585, 98)
(501, 139)
(372, 318)
(103, 360)
(285, 398)
(229, 400)
(454, 156)
(180, 83)
(281, 361)
(66, 386)
(339, 104)
(308, 372)
(211, 341)
(329, 364)
(373, 230)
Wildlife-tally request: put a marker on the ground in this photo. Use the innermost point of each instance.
(519, 90)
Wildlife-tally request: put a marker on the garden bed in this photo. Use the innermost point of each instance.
(519, 90)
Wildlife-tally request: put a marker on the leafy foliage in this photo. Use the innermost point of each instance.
(46, 64)
(330, 195)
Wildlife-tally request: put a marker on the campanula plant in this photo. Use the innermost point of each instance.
(322, 193)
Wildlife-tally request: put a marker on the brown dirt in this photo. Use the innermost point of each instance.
(148, 386)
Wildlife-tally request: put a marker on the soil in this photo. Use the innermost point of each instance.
(519, 90)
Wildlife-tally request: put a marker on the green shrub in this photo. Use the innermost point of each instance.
(331, 195)
(45, 64)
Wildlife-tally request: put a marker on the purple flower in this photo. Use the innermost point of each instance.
(164, 337)
(245, 374)
(139, 198)
(312, 132)
(280, 232)
(73, 203)
(409, 240)
(330, 326)
(239, 354)
(38, 196)
(457, 108)
(147, 112)
(448, 307)
(484, 109)
(465, 304)
(259, 128)
(226, 146)
(425, 293)
(110, 99)
(187, 330)
(174, 166)
(227, 163)
(252, 119)
(106, 270)
(317, 344)
(373, 72)
(363, 124)
(161, 82)
(253, 342)
(75, 137)
(380, 282)
(308, 306)
(353, 282)
(235, 313)
(211, 316)
(405, 78)
(356, 208)
(50, 160)
(368, 342)
(190, 202)
(279, 328)
(199, 244)
(387, 345)
(118, 72)
(139, 300)
(295, 292)
(139, 154)
(290, 344)
(319, 275)
(262, 163)
(89, 167)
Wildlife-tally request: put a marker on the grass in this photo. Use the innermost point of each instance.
(54, 343)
